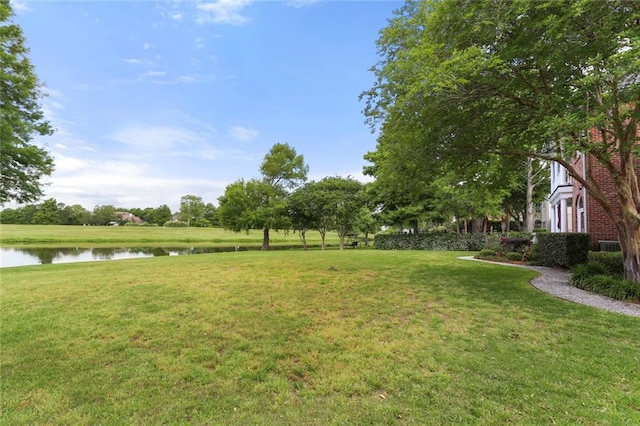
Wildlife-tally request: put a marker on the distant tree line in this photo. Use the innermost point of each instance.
(50, 212)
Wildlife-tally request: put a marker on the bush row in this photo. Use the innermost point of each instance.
(596, 277)
(432, 241)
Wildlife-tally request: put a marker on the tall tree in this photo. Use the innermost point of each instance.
(22, 163)
(262, 203)
(521, 78)
(48, 213)
(75, 215)
(103, 215)
(191, 209)
(161, 215)
(342, 202)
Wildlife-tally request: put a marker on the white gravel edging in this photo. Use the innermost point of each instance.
(556, 282)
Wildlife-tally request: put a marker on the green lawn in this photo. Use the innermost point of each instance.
(307, 338)
(91, 236)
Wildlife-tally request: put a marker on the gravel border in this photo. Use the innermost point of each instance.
(556, 282)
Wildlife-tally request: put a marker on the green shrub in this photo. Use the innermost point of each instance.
(436, 241)
(586, 270)
(614, 287)
(513, 255)
(513, 244)
(563, 249)
(533, 255)
(176, 224)
(612, 260)
(487, 253)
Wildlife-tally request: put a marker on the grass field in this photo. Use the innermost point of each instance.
(306, 338)
(92, 236)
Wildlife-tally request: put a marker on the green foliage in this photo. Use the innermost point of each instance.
(532, 256)
(22, 164)
(612, 260)
(191, 208)
(176, 224)
(514, 256)
(103, 214)
(431, 241)
(584, 271)
(487, 253)
(48, 213)
(563, 249)
(262, 203)
(471, 84)
(614, 287)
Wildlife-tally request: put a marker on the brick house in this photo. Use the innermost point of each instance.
(571, 209)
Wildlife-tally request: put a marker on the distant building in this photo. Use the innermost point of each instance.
(128, 217)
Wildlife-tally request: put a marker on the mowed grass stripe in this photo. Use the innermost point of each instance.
(355, 337)
(92, 236)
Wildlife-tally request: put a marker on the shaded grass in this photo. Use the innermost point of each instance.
(355, 337)
(93, 236)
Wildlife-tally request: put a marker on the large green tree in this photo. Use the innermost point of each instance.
(262, 203)
(343, 200)
(520, 78)
(23, 164)
(191, 209)
(48, 213)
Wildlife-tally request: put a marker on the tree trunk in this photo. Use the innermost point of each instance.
(528, 217)
(322, 235)
(506, 223)
(341, 235)
(628, 226)
(629, 235)
(414, 226)
(265, 239)
(303, 237)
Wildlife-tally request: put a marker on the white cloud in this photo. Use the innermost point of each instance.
(137, 61)
(176, 16)
(156, 138)
(242, 134)
(199, 43)
(66, 164)
(147, 46)
(186, 79)
(222, 12)
(125, 184)
(20, 6)
(154, 74)
(302, 3)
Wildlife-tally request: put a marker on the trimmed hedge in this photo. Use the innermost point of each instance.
(431, 241)
(563, 249)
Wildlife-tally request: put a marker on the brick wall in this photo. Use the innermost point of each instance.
(598, 223)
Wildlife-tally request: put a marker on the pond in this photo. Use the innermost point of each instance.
(25, 256)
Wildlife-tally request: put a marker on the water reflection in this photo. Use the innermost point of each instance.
(45, 255)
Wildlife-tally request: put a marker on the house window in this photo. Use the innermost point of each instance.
(580, 215)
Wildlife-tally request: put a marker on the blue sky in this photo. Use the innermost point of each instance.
(156, 100)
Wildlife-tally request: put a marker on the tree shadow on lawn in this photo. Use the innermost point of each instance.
(503, 287)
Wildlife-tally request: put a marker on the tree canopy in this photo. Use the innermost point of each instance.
(470, 80)
(23, 164)
(262, 203)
